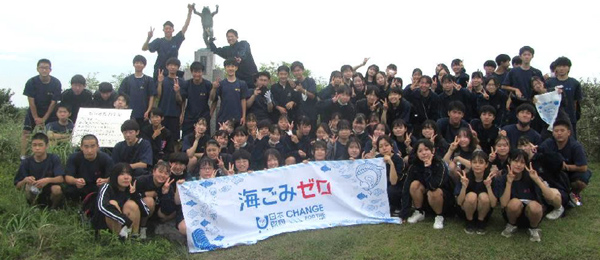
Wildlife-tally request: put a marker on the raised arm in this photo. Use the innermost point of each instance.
(147, 42)
(187, 20)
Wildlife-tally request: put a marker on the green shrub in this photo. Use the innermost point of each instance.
(588, 125)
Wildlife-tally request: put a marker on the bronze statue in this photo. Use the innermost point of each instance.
(207, 23)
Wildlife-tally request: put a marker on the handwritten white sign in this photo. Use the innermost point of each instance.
(104, 123)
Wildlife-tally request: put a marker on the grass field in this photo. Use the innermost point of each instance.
(30, 233)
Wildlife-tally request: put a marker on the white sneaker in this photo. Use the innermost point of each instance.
(534, 235)
(556, 213)
(125, 231)
(439, 222)
(416, 217)
(143, 232)
(509, 230)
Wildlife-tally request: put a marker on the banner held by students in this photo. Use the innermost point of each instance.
(547, 106)
(101, 122)
(242, 209)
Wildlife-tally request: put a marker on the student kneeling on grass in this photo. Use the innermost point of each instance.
(428, 179)
(154, 189)
(121, 205)
(87, 169)
(41, 174)
(521, 191)
(474, 193)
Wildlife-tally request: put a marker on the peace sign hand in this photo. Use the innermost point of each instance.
(510, 177)
(220, 162)
(532, 172)
(132, 187)
(492, 155)
(454, 144)
(230, 171)
(161, 76)
(407, 140)
(488, 181)
(167, 186)
(385, 105)
(176, 86)
(432, 139)
(463, 178)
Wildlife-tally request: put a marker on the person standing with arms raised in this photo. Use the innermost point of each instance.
(240, 51)
(167, 47)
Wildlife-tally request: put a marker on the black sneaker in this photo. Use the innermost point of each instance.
(470, 227)
(395, 213)
(480, 227)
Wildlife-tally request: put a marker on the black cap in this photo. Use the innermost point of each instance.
(105, 87)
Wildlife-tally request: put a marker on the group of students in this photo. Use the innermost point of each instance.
(452, 144)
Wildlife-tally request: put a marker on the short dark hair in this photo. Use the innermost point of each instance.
(335, 74)
(343, 125)
(157, 112)
(89, 137)
(161, 164)
(139, 58)
(490, 63)
(492, 78)
(320, 144)
(297, 64)
(372, 90)
(130, 124)
(304, 120)
(207, 161)
(125, 96)
(392, 66)
(527, 107)
(346, 67)
(562, 122)
(241, 154)
(179, 157)
(196, 66)
(232, 31)
(263, 73)
(173, 61)
(275, 153)
(562, 61)
(526, 48)
(40, 136)
(63, 105)
(417, 70)
(447, 77)
(502, 58)
(456, 105)
(78, 79)
(263, 123)
(343, 89)
(283, 68)
(44, 61)
(477, 74)
(455, 62)
(552, 66)
(169, 23)
(105, 87)
(516, 60)
(230, 62)
(396, 90)
(240, 130)
(487, 109)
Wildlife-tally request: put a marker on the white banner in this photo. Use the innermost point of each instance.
(104, 123)
(242, 209)
(547, 106)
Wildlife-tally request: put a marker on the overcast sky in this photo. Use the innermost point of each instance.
(81, 37)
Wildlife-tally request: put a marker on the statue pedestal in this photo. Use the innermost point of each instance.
(207, 58)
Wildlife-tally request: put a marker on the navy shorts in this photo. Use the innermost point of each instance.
(580, 176)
